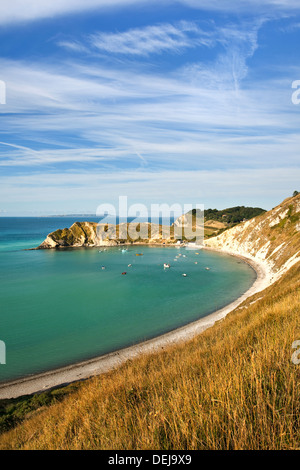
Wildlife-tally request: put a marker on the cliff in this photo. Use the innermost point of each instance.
(272, 238)
(87, 234)
(79, 234)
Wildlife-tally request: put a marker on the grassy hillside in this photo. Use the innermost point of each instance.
(233, 387)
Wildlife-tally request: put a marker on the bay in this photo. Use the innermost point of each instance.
(59, 307)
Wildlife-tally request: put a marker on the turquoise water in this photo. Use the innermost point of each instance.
(61, 307)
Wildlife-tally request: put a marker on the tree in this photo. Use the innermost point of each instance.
(295, 193)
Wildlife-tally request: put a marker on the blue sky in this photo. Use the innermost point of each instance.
(183, 101)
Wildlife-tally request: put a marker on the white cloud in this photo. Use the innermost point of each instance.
(243, 5)
(152, 39)
(167, 37)
(238, 43)
(260, 187)
(189, 130)
(192, 117)
(13, 11)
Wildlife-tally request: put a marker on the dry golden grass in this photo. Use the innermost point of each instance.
(233, 387)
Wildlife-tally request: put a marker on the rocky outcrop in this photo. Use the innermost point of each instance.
(79, 234)
(88, 234)
(272, 238)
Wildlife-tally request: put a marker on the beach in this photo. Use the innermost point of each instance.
(86, 369)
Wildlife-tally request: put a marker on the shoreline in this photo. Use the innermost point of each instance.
(102, 364)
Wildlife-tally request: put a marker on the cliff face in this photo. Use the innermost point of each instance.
(273, 238)
(93, 234)
(79, 234)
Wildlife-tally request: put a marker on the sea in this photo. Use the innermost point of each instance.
(60, 307)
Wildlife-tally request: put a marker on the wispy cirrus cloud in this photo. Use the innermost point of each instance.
(152, 39)
(105, 118)
(108, 126)
(169, 37)
(16, 11)
(235, 45)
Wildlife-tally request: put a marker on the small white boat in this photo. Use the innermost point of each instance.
(129, 266)
(103, 267)
(124, 250)
(207, 269)
(184, 275)
(166, 265)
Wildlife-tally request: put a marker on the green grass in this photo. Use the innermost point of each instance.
(14, 411)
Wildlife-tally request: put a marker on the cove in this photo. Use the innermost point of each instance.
(59, 307)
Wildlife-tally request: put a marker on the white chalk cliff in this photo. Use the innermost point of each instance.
(273, 238)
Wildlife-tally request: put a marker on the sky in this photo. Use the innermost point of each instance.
(165, 102)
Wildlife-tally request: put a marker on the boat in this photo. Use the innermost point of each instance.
(103, 267)
(184, 275)
(207, 269)
(124, 272)
(129, 266)
(139, 254)
(124, 250)
(166, 265)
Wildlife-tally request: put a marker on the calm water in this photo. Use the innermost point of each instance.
(60, 307)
